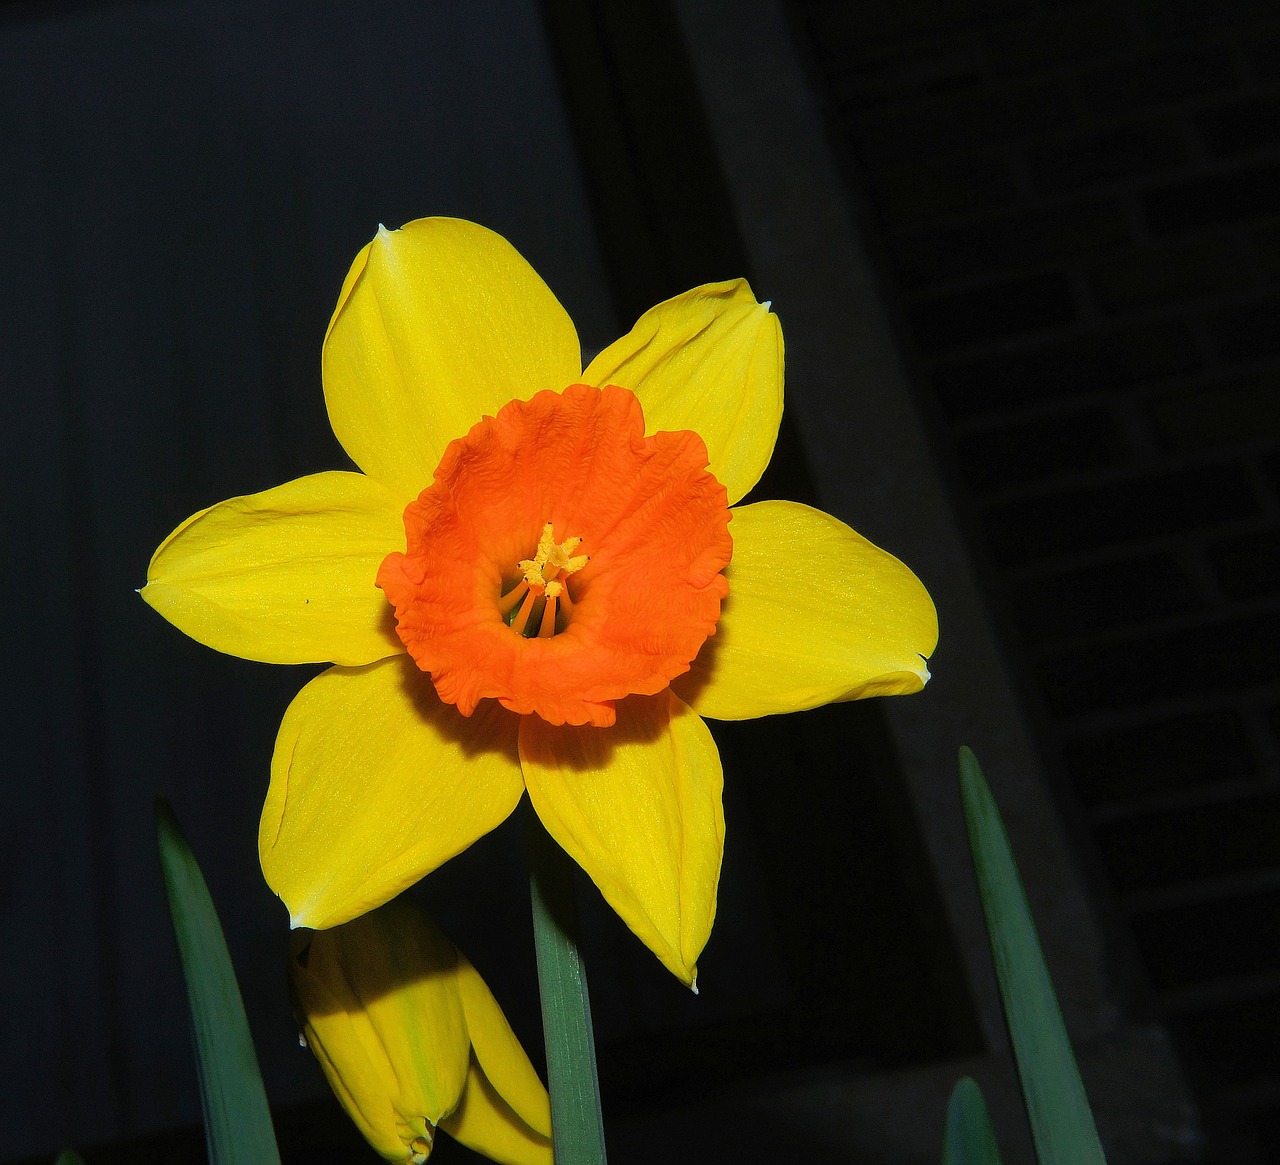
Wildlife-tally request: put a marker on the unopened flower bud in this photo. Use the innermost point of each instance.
(411, 1039)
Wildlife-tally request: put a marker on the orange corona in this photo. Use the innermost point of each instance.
(561, 559)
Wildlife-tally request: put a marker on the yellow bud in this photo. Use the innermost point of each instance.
(410, 1038)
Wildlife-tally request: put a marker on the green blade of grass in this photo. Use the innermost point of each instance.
(237, 1122)
(577, 1130)
(1061, 1121)
(969, 1138)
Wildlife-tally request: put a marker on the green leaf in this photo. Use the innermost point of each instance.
(577, 1131)
(69, 1157)
(969, 1138)
(237, 1122)
(1061, 1121)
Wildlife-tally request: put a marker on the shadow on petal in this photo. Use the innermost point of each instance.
(489, 729)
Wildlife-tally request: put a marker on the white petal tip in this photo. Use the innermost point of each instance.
(767, 304)
(694, 985)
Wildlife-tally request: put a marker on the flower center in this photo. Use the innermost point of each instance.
(559, 634)
(540, 604)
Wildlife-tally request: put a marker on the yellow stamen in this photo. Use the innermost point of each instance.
(547, 628)
(540, 577)
(557, 557)
(512, 597)
(560, 556)
(521, 621)
(566, 603)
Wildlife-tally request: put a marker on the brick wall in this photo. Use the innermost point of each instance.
(1077, 209)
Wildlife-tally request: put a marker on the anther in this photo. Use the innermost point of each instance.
(541, 572)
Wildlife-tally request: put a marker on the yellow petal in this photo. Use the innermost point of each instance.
(374, 784)
(638, 806)
(380, 1012)
(815, 614)
(438, 324)
(709, 360)
(401, 974)
(357, 1090)
(486, 1123)
(501, 1058)
(359, 1077)
(286, 575)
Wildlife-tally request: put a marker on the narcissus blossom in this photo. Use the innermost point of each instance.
(411, 1039)
(540, 580)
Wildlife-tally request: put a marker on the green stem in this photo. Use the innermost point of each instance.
(576, 1129)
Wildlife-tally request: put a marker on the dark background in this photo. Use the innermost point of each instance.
(1073, 212)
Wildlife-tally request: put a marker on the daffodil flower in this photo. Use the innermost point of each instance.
(539, 581)
(411, 1039)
